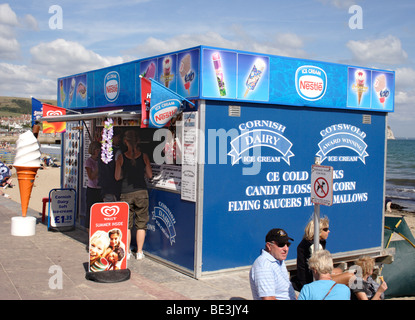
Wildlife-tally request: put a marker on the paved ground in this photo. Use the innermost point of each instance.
(52, 265)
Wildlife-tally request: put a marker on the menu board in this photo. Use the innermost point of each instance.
(189, 160)
(166, 177)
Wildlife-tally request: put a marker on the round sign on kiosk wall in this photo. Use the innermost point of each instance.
(322, 185)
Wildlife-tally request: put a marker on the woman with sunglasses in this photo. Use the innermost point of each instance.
(304, 251)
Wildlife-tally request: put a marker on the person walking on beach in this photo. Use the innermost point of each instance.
(131, 167)
(269, 279)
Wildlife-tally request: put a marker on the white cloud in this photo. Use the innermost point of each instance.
(7, 15)
(23, 81)
(61, 57)
(285, 44)
(386, 50)
(341, 4)
(31, 22)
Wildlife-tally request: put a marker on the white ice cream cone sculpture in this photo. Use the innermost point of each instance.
(26, 163)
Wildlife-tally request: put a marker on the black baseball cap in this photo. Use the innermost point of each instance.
(278, 235)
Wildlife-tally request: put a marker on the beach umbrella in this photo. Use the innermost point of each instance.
(400, 274)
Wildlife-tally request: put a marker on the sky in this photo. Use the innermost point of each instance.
(45, 39)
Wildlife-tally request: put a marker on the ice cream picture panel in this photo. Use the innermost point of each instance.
(167, 71)
(187, 73)
(359, 84)
(381, 90)
(370, 89)
(253, 77)
(219, 74)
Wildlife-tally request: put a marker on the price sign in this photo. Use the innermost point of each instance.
(322, 185)
(62, 208)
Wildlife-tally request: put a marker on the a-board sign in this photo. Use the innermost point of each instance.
(108, 236)
(322, 185)
(62, 208)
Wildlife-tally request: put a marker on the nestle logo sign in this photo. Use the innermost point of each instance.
(310, 82)
(112, 86)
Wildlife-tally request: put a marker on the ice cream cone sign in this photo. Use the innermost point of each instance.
(26, 163)
(360, 77)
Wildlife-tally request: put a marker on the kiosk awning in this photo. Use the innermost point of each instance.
(90, 116)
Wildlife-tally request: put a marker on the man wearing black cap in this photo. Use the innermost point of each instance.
(269, 277)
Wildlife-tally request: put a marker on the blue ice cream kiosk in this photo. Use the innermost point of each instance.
(242, 154)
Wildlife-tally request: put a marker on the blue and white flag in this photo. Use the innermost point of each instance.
(164, 105)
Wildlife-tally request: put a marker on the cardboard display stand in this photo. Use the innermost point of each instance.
(108, 242)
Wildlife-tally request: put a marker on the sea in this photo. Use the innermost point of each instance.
(400, 173)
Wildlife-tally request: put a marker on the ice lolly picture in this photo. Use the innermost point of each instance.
(380, 88)
(150, 72)
(72, 90)
(217, 64)
(62, 92)
(360, 78)
(185, 66)
(254, 76)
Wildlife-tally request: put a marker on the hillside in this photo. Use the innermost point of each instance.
(11, 106)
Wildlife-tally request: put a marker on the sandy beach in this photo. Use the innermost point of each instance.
(49, 178)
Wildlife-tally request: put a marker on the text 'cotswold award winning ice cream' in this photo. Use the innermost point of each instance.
(26, 163)
(254, 76)
(217, 64)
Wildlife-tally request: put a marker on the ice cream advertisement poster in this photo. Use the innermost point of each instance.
(370, 89)
(108, 236)
(72, 92)
(359, 85)
(253, 77)
(219, 74)
(383, 90)
(188, 73)
(167, 71)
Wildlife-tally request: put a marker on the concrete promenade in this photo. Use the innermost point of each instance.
(52, 266)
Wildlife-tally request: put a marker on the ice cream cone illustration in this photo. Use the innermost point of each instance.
(254, 75)
(167, 63)
(26, 163)
(360, 77)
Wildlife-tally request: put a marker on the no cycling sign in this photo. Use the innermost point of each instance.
(322, 185)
